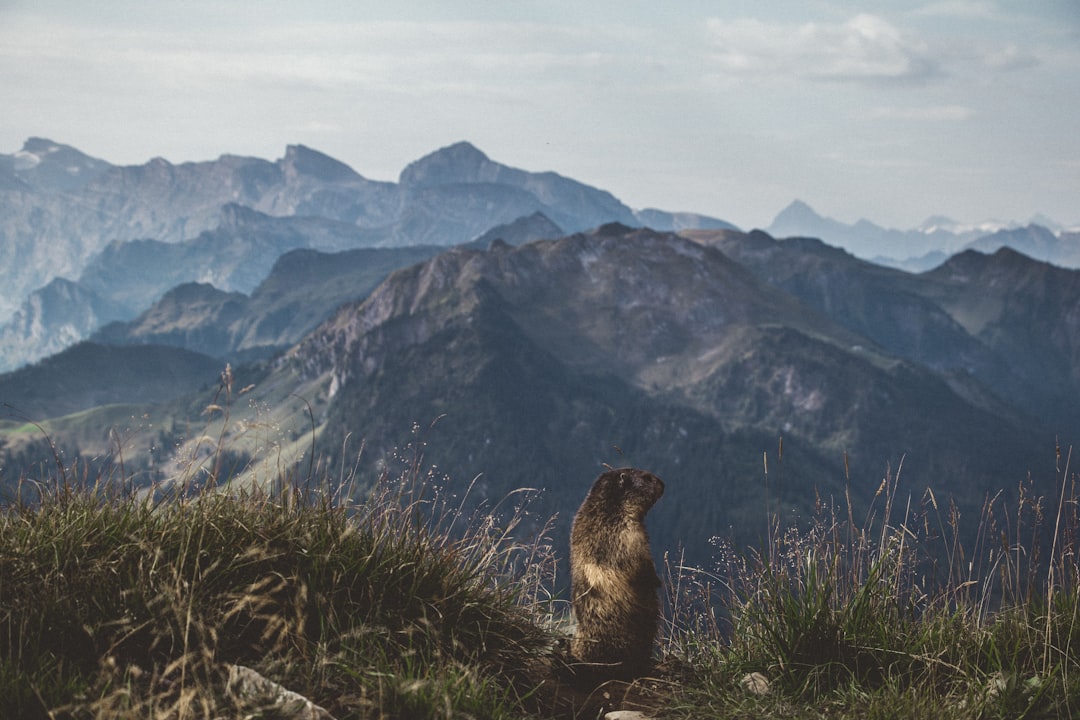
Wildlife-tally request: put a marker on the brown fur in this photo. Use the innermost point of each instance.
(612, 576)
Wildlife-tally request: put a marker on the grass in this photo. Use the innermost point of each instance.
(116, 603)
(892, 616)
(122, 605)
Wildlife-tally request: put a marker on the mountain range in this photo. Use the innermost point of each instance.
(546, 357)
(933, 241)
(116, 238)
(84, 243)
(533, 365)
(754, 373)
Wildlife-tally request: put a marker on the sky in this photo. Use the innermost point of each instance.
(890, 110)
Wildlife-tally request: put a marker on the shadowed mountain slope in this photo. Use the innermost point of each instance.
(1003, 329)
(541, 360)
(88, 375)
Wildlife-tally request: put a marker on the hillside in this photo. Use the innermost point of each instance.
(1028, 313)
(89, 375)
(230, 603)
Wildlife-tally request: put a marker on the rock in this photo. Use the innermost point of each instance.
(247, 685)
(755, 683)
(626, 715)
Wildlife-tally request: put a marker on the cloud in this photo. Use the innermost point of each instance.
(958, 9)
(1008, 58)
(480, 59)
(932, 113)
(865, 48)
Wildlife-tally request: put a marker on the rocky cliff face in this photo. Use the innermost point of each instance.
(635, 299)
(59, 209)
(51, 319)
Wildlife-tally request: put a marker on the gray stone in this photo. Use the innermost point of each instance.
(755, 683)
(247, 685)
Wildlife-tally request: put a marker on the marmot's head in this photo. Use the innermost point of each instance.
(633, 491)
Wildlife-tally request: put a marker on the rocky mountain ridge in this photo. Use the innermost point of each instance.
(128, 234)
(302, 288)
(560, 351)
(53, 229)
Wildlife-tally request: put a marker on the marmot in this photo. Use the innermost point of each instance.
(613, 581)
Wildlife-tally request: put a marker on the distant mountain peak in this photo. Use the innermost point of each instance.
(40, 146)
(935, 222)
(460, 162)
(462, 152)
(524, 229)
(797, 209)
(302, 160)
(1046, 222)
(190, 292)
(612, 229)
(1006, 254)
(51, 165)
(798, 218)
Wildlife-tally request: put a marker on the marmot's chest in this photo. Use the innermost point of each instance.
(620, 564)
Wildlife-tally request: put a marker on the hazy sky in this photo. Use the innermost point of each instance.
(892, 110)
